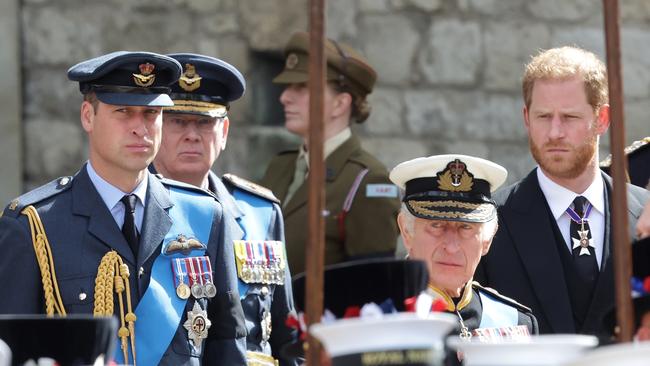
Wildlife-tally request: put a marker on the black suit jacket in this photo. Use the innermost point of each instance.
(524, 262)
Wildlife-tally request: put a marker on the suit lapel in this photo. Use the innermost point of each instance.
(230, 207)
(86, 201)
(156, 221)
(530, 226)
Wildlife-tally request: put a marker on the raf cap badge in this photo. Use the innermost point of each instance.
(146, 77)
(455, 178)
(292, 61)
(190, 80)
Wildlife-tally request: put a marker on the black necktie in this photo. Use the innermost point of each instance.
(129, 230)
(584, 255)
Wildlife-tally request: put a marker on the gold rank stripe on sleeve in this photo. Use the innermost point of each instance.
(260, 261)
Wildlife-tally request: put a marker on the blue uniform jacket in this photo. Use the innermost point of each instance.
(81, 230)
(260, 298)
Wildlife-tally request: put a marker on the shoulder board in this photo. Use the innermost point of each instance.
(249, 186)
(504, 299)
(636, 145)
(185, 186)
(39, 194)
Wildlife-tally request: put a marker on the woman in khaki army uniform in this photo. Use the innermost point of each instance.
(361, 202)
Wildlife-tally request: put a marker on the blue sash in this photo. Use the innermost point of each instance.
(159, 312)
(496, 314)
(255, 221)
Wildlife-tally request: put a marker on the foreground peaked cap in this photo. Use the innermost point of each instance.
(128, 78)
(450, 187)
(73, 340)
(206, 87)
(344, 65)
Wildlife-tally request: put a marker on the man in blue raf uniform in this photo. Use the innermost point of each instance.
(448, 220)
(117, 240)
(195, 130)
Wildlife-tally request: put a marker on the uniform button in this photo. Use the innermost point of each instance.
(82, 296)
(140, 272)
(265, 291)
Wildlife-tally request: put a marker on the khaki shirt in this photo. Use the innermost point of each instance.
(369, 228)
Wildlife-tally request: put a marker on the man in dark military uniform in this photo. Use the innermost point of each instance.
(361, 203)
(638, 163)
(448, 220)
(123, 241)
(195, 131)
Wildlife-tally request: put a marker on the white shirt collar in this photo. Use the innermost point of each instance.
(329, 145)
(559, 197)
(110, 194)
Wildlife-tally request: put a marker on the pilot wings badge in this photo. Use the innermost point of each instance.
(184, 245)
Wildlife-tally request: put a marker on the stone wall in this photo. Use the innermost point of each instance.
(449, 70)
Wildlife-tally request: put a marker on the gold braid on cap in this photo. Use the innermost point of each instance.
(113, 275)
(53, 301)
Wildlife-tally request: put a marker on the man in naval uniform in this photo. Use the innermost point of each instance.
(195, 131)
(116, 240)
(448, 220)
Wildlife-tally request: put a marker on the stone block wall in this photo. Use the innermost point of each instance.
(449, 70)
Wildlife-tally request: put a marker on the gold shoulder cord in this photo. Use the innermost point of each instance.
(53, 302)
(112, 274)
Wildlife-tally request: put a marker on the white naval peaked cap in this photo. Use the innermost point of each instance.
(627, 354)
(450, 187)
(538, 350)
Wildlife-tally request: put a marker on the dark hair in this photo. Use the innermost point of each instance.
(360, 107)
(91, 98)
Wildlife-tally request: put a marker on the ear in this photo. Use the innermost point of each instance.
(342, 103)
(87, 116)
(407, 236)
(225, 126)
(487, 239)
(526, 118)
(602, 120)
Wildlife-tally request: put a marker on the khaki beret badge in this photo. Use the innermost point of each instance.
(292, 61)
(190, 80)
(455, 178)
(145, 78)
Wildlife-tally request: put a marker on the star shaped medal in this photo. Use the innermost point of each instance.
(584, 242)
(197, 325)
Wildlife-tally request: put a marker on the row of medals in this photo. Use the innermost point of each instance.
(262, 273)
(198, 290)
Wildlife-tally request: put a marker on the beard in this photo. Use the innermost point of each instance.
(566, 167)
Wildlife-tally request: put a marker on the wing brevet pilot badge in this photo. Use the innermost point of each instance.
(183, 244)
(146, 77)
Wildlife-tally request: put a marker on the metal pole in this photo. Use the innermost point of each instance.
(621, 240)
(316, 194)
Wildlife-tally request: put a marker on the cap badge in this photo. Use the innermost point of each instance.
(455, 178)
(190, 80)
(145, 78)
(292, 61)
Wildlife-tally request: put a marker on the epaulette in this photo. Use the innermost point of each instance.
(37, 195)
(504, 299)
(249, 187)
(189, 187)
(636, 145)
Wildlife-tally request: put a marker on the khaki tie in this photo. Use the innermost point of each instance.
(298, 178)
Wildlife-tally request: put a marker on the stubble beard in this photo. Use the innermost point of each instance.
(580, 159)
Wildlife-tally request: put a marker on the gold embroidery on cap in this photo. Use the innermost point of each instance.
(292, 61)
(190, 80)
(480, 211)
(145, 78)
(455, 178)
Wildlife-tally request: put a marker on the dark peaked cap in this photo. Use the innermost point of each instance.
(128, 78)
(206, 86)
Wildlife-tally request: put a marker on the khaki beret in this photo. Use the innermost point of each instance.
(344, 64)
